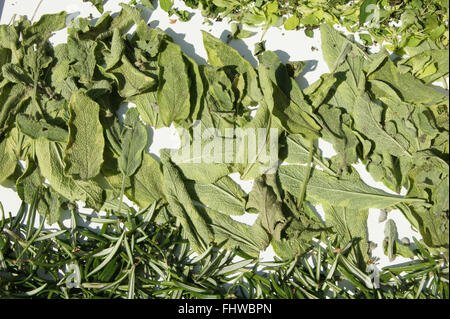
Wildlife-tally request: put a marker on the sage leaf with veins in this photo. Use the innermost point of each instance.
(347, 61)
(197, 86)
(260, 159)
(31, 184)
(126, 18)
(264, 200)
(13, 99)
(334, 44)
(84, 151)
(318, 92)
(151, 39)
(8, 160)
(337, 192)
(36, 129)
(83, 54)
(204, 172)
(368, 119)
(279, 75)
(117, 47)
(130, 81)
(148, 109)
(292, 118)
(409, 88)
(224, 195)
(147, 183)
(29, 181)
(248, 240)
(350, 225)
(194, 223)
(173, 89)
(437, 58)
(49, 155)
(48, 23)
(15, 74)
(297, 151)
(134, 142)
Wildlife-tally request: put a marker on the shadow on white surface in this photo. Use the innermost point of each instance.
(239, 46)
(311, 65)
(2, 3)
(186, 47)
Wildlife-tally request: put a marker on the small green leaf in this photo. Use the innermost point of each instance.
(238, 33)
(391, 235)
(291, 23)
(166, 5)
(271, 7)
(96, 3)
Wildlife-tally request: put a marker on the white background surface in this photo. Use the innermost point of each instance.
(289, 45)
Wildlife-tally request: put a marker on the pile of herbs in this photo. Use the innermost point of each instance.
(397, 24)
(62, 143)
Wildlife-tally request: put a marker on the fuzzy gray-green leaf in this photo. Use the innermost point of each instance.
(134, 143)
(337, 192)
(84, 152)
(173, 90)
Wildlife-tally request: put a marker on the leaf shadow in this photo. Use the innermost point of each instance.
(186, 47)
(153, 24)
(150, 134)
(2, 3)
(283, 56)
(146, 12)
(310, 66)
(341, 77)
(71, 17)
(240, 46)
(315, 211)
(441, 90)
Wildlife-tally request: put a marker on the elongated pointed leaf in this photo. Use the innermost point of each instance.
(134, 143)
(337, 192)
(84, 152)
(180, 203)
(173, 90)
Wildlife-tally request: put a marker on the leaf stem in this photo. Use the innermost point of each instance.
(444, 81)
(35, 83)
(308, 172)
(35, 10)
(122, 191)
